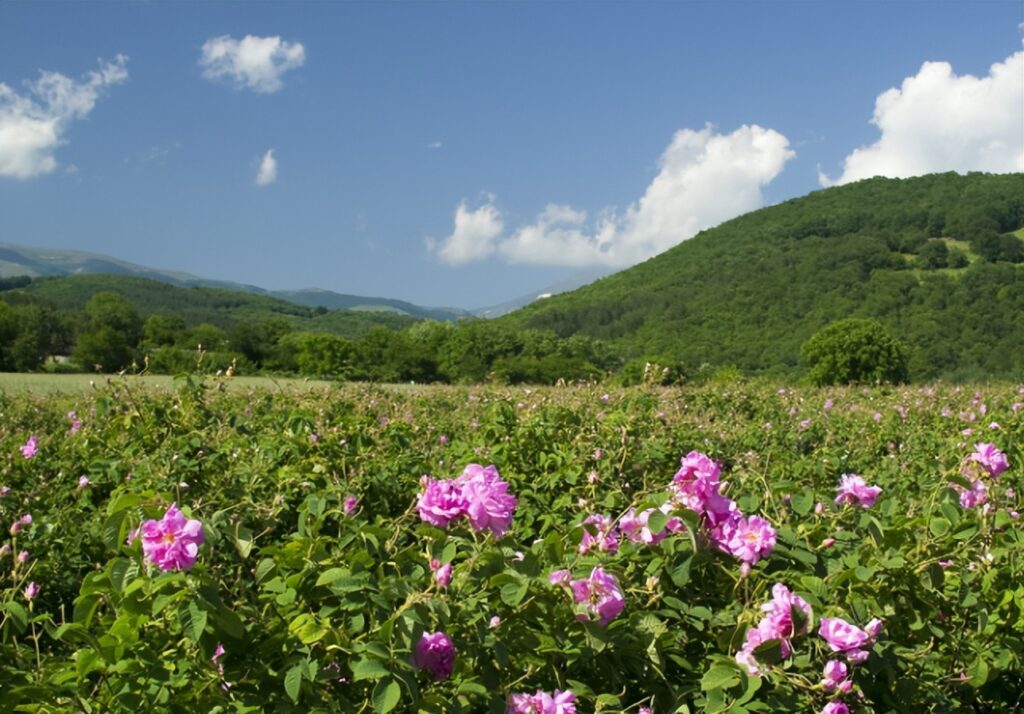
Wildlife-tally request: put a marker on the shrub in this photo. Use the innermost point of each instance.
(855, 351)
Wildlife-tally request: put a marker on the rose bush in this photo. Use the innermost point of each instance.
(380, 567)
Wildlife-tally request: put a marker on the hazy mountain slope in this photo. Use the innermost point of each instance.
(750, 291)
(315, 297)
(40, 262)
(196, 305)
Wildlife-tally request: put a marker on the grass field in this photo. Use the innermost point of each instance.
(18, 383)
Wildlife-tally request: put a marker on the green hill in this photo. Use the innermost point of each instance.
(197, 305)
(933, 258)
(19, 260)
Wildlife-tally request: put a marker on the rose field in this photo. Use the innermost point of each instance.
(730, 547)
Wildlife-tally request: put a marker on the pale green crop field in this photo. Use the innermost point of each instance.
(14, 383)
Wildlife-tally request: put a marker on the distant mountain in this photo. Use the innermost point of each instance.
(571, 283)
(938, 260)
(315, 297)
(214, 306)
(43, 262)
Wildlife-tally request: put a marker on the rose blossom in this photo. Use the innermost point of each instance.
(606, 538)
(172, 543)
(28, 450)
(478, 493)
(975, 496)
(600, 594)
(489, 505)
(835, 708)
(843, 637)
(559, 577)
(990, 458)
(748, 539)
(440, 502)
(436, 654)
(853, 488)
(835, 675)
(442, 573)
(696, 480)
(778, 623)
(558, 702)
(635, 526)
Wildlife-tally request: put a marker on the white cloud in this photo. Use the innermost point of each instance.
(434, 145)
(255, 63)
(33, 125)
(267, 172)
(475, 235)
(704, 178)
(939, 121)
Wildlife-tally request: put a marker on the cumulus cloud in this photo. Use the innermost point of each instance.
(255, 63)
(475, 235)
(939, 121)
(33, 124)
(434, 145)
(267, 172)
(704, 178)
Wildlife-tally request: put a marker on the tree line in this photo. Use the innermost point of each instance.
(110, 335)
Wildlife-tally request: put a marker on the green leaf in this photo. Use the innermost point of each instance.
(192, 619)
(656, 522)
(113, 535)
(799, 618)
(17, 612)
(473, 688)
(122, 572)
(719, 677)
(228, 621)
(307, 629)
(978, 672)
(680, 574)
(769, 652)
(367, 668)
(513, 593)
(939, 526)
(803, 502)
(331, 574)
(264, 570)
(123, 501)
(293, 682)
(243, 541)
(386, 695)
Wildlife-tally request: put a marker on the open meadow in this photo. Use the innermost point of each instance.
(224, 546)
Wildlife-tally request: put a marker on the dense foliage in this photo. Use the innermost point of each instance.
(112, 323)
(934, 259)
(312, 567)
(855, 351)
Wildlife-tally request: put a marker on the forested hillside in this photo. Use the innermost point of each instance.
(197, 305)
(938, 260)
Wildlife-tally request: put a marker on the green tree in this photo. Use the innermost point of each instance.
(855, 351)
(111, 335)
(933, 254)
(211, 337)
(258, 341)
(162, 329)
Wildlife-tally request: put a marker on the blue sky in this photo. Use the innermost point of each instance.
(469, 153)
